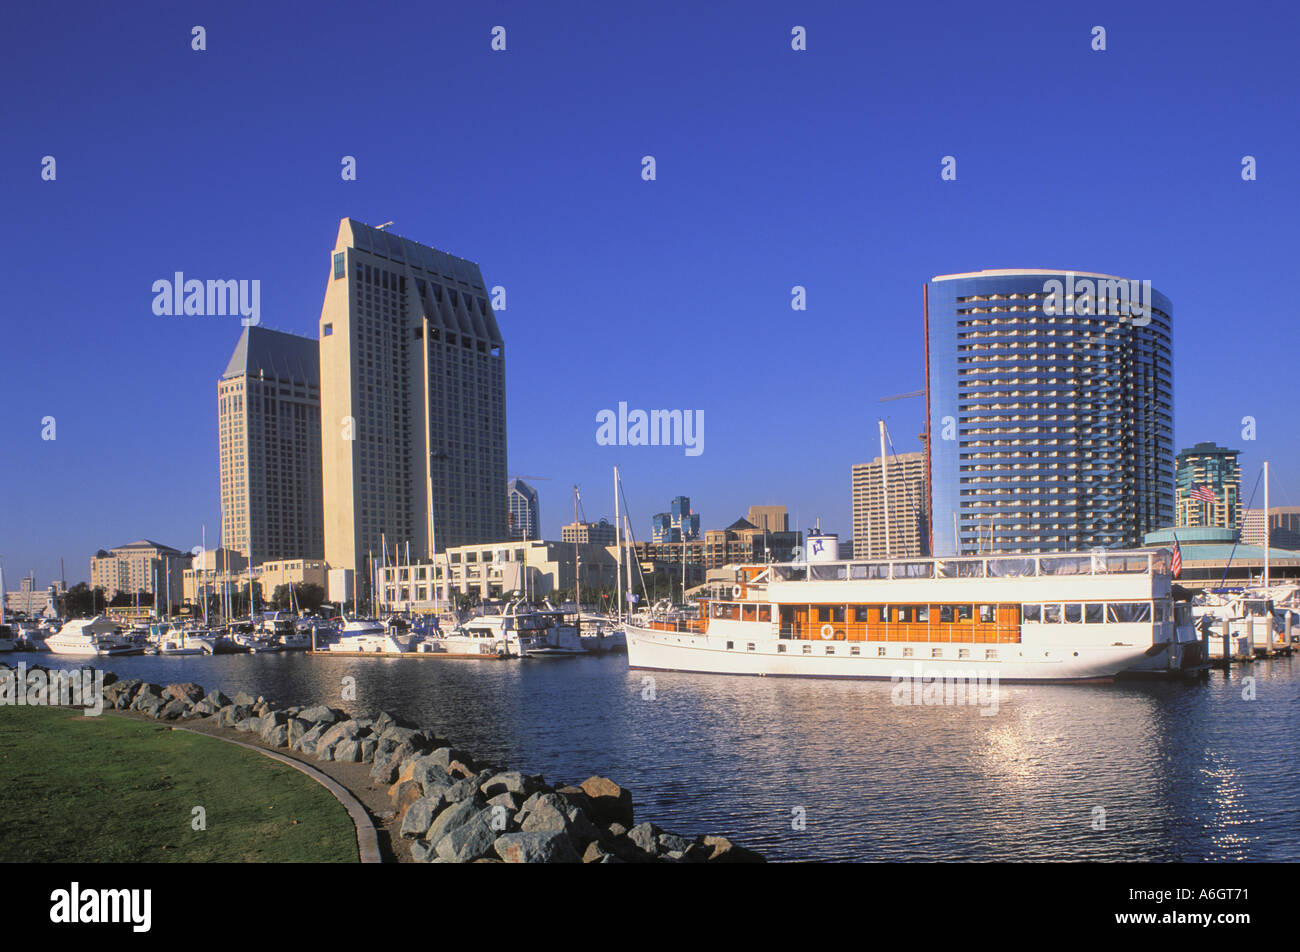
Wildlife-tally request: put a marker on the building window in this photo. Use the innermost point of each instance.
(340, 265)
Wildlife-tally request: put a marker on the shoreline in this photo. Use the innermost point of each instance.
(428, 800)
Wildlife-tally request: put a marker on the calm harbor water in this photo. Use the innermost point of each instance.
(1184, 772)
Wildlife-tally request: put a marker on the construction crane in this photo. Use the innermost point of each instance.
(903, 396)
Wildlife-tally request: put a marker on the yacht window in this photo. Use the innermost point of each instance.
(987, 615)
(1052, 614)
(1073, 613)
(1031, 613)
(765, 613)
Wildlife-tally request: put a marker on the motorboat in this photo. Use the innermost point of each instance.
(90, 636)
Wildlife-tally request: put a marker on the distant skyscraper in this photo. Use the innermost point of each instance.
(908, 535)
(1207, 487)
(1049, 411)
(523, 517)
(768, 518)
(268, 413)
(677, 524)
(412, 400)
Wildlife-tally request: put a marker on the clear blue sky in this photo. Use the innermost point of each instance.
(775, 168)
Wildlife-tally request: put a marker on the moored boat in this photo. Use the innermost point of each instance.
(1061, 617)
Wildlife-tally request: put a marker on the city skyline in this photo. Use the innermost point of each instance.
(766, 189)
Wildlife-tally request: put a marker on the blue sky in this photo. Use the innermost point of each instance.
(775, 168)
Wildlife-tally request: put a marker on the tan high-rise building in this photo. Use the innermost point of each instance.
(768, 518)
(268, 410)
(140, 567)
(413, 405)
(589, 533)
(907, 502)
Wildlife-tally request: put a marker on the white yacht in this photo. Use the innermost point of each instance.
(1064, 617)
(89, 636)
(368, 636)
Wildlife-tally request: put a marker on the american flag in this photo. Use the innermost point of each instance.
(1203, 493)
(1176, 564)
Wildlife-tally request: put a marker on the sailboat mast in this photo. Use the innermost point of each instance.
(884, 485)
(1267, 533)
(618, 544)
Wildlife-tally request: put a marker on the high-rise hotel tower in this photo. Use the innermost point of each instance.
(268, 415)
(1049, 411)
(413, 414)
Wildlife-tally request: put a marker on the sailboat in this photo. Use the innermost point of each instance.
(7, 640)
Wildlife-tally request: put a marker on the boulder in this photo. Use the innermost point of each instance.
(204, 708)
(511, 781)
(468, 841)
(444, 757)
(672, 843)
(297, 728)
(421, 852)
(453, 816)
(320, 714)
(725, 851)
(188, 689)
(367, 749)
(609, 803)
(645, 836)
(419, 816)
(277, 736)
(218, 699)
(244, 699)
(548, 814)
(403, 793)
(271, 720)
(307, 742)
(249, 725)
(348, 752)
(172, 710)
(535, 848)
(464, 790)
(595, 853)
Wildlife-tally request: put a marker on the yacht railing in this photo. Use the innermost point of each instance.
(1006, 566)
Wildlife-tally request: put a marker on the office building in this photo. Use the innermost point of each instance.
(268, 412)
(1283, 527)
(1207, 487)
(589, 533)
(768, 518)
(144, 568)
(413, 415)
(524, 521)
(905, 532)
(1049, 411)
(677, 524)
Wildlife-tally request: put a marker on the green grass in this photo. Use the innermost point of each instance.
(114, 789)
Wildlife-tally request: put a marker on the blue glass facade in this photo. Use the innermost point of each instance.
(1049, 412)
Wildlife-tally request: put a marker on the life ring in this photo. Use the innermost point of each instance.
(737, 592)
(828, 633)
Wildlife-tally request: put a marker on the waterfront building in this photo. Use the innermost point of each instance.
(1207, 487)
(679, 523)
(1283, 527)
(142, 567)
(211, 569)
(589, 533)
(908, 534)
(523, 515)
(1212, 557)
(494, 571)
(269, 425)
(413, 415)
(295, 572)
(30, 600)
(1049, 421)
(741, 541)
(768, 518)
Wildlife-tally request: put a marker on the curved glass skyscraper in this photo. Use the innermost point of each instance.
(1049, 400)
